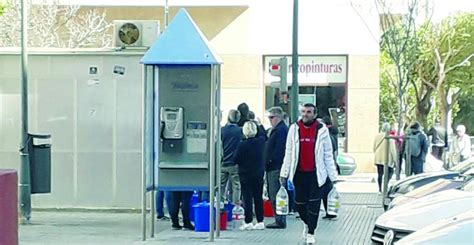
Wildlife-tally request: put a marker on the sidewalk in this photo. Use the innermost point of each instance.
(357, 215)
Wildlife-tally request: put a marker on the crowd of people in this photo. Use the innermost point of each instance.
(301, 153)
(415, 146)
(257, 160)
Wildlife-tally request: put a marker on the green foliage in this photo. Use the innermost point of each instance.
(442, 52)
(388, 92)
(2, 8)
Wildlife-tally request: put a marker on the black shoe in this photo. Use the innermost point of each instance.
(189, 227)
(330, 217)
(176, 227)
(275, 226)
(163, 218)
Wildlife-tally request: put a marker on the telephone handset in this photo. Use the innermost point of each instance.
(172, 122)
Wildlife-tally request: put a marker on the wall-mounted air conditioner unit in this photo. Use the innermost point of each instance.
(135, 33)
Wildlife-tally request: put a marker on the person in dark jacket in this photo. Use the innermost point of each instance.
(231, 135)
(244, 110)
(274, 154)
(418, 144)
(333, 133)
(249, 158)
(438, 137)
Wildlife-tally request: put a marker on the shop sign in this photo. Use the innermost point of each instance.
(313, 70)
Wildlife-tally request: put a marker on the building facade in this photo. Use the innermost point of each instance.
(339, 71)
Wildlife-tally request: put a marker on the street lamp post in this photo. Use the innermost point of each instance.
(25, 187)
(294, 67)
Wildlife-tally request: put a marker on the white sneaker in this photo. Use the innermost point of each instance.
(248, 226)
(305, 231)
(259, 226)
(310, 239)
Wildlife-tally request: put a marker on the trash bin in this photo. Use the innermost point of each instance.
(40, 163)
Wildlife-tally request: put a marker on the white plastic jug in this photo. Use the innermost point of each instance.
(282, 202)
(334, 202)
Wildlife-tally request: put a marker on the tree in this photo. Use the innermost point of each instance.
(53, 25)
(399, 43)
(2, 8)
(444, 68)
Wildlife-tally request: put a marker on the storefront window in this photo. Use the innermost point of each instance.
(330, 102)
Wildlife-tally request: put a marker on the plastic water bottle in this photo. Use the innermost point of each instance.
(282, 202)
(238, 216)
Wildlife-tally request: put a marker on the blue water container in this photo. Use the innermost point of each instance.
(201, 217)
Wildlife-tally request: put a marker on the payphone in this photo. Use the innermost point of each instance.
(172, 121)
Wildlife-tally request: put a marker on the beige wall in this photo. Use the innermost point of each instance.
(363, 109)
(242, 82)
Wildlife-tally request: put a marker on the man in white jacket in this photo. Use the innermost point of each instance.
(309, 163)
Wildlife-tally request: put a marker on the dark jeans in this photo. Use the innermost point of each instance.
(291, 200)
(273, 186)
(417, 165)
(180, 198)
(308, 197)
(160, 197)
(380, 175)
(252, 190)
(437, 151)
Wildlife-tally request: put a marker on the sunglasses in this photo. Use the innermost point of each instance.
(271, 117)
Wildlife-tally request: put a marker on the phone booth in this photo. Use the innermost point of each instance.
(181, 112)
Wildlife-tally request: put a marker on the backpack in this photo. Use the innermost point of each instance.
(415, 145)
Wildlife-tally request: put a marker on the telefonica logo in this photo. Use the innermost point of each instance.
(184, 86)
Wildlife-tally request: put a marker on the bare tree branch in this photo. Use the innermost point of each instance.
(54, 25)
(462, 63)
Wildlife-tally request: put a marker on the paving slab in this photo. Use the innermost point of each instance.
(354, 226)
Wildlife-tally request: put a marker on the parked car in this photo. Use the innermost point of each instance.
(456, 230)
(346, 163)
(434, 187)
(403, 220)
(406, 185)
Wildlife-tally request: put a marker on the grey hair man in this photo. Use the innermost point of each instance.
(231, 135)
(274, 154)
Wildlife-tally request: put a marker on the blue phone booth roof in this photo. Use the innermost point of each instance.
(182, 43)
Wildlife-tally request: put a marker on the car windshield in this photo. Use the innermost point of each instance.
(469, 186)
(428, 188)
(464, 166)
